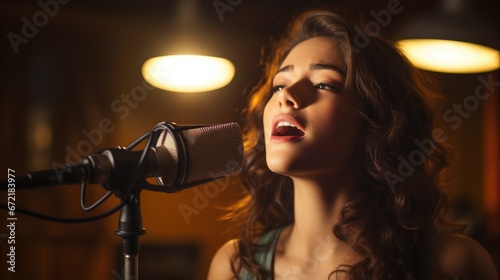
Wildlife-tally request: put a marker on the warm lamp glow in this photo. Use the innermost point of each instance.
(450, 56)
(188, 73)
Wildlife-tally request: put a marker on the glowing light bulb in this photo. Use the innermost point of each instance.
(450, 56)
(188, 73)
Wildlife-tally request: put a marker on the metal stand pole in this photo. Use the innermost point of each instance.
(130, 228)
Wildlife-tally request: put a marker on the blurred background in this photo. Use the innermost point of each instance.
(71, 85)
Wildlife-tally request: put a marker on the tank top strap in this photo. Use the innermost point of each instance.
(264, 253)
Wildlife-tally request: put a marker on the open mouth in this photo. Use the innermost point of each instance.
(284, 128)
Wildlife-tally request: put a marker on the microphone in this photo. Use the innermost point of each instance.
(179, 157)
(199, 154)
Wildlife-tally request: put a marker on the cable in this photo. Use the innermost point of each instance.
(109, 193)
(67, 220)
(96, 204)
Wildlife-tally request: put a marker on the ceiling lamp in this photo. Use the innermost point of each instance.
(452, 40)
(188, 73)
(188, 69)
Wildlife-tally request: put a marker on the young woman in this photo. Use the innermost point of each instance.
(343, 168)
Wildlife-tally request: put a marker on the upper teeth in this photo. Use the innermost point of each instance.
(282, 123)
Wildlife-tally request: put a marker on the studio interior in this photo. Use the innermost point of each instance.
(79, 77)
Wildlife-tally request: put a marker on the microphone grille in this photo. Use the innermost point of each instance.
(213, 151)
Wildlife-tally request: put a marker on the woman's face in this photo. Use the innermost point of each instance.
(311, 126)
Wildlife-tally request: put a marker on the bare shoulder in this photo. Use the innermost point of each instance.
(460, 257)
(220, 267)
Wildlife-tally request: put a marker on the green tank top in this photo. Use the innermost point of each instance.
(265, 254)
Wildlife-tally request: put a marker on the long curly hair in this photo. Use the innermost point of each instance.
(402, 162)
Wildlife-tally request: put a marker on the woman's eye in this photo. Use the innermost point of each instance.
(327, 86)
(277, 88)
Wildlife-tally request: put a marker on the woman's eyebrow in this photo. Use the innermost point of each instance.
(287, 68)
(314, 66)
(323, 66)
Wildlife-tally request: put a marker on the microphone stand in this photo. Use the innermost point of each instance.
(130, 228)
(123, 183)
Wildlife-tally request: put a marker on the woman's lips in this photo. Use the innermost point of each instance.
(286, 128)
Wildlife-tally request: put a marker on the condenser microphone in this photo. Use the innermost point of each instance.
(197, 154)
(179, 157)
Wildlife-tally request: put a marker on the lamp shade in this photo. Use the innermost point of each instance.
(451, 42)
(192, 60)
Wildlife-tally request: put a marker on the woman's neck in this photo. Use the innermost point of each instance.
(317, 209)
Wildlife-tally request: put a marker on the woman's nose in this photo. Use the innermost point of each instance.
(289, 97)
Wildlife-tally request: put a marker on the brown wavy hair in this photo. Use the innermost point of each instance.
(399, 213)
